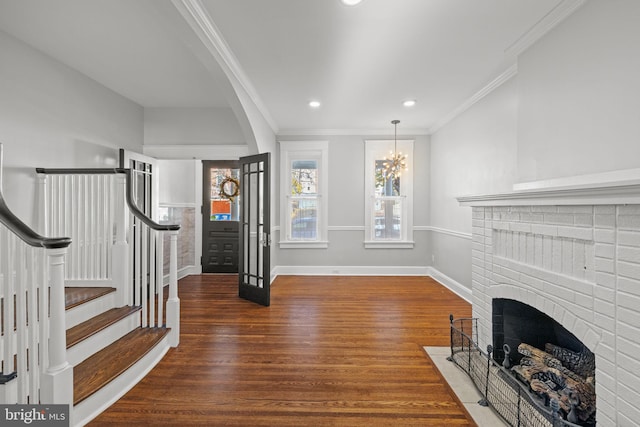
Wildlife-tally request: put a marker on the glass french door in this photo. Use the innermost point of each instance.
(255, 230)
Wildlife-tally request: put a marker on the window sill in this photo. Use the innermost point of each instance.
(388, 244)
(292, 244)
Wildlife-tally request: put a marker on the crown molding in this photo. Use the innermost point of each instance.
(559, 13)
(487, 89)
(543, 26)
(351, 132)
(204, 152)
(201, 22)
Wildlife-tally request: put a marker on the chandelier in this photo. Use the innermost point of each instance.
(395, 164)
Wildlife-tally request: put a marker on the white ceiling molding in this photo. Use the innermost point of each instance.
(204, 152)
(202, 23)
(542, 27)
(490, 87)
(351, 132)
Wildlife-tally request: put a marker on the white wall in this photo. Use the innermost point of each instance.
(572, 109)
(473, 154)
(346, 211)
(178, 182)
(53, 116)
(191, 126)
(579, 109)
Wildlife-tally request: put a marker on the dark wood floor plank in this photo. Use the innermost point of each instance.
(329, 351)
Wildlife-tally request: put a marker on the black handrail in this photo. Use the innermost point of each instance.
(129, 196)
(139, 214)
(22, 230)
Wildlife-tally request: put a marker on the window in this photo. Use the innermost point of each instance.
(303, 185)
(389, 201)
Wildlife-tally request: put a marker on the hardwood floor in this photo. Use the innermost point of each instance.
(329, 351)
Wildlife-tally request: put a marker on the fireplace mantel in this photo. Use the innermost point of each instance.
(610, 188)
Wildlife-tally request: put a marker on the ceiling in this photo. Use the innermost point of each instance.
(361, 62)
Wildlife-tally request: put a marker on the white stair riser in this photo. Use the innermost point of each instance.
(94, 405)
(102, 339)
(89, 309)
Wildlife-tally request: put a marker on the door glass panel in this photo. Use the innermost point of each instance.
(261, 234)
(225, 194)
(253, 249)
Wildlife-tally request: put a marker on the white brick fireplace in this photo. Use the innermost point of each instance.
(573, 254)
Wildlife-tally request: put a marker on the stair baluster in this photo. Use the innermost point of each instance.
(33, 327)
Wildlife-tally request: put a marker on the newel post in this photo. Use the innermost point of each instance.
(120, 249)
(57, 380)
(173, 303)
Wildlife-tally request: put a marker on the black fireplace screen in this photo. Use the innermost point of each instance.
(514, 401)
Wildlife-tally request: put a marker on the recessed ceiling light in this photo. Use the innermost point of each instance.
(350, 2)
(409, 103)
(314, 104)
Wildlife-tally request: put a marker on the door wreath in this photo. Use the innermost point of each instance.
(233, 191)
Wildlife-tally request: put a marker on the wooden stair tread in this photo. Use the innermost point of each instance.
(105, 365)
(98, 323)
(75, 296)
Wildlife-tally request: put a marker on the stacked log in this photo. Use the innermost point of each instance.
(547, 377)
(582, 363)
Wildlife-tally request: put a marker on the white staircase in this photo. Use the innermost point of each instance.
(110, 318)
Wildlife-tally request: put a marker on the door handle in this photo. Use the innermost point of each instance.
(266, 240)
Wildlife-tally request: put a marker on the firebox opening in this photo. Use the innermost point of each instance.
(555, 365)
(515, 323)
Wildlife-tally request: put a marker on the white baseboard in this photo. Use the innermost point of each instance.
(455, 287)
(343, 270)
(184, 272)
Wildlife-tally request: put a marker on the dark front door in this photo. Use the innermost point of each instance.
(255, 229)
(220, 214)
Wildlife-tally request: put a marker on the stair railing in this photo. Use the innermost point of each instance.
(117, 244)
(33, 341)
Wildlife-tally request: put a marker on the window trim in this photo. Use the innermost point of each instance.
(304, 150)
(376, 150)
